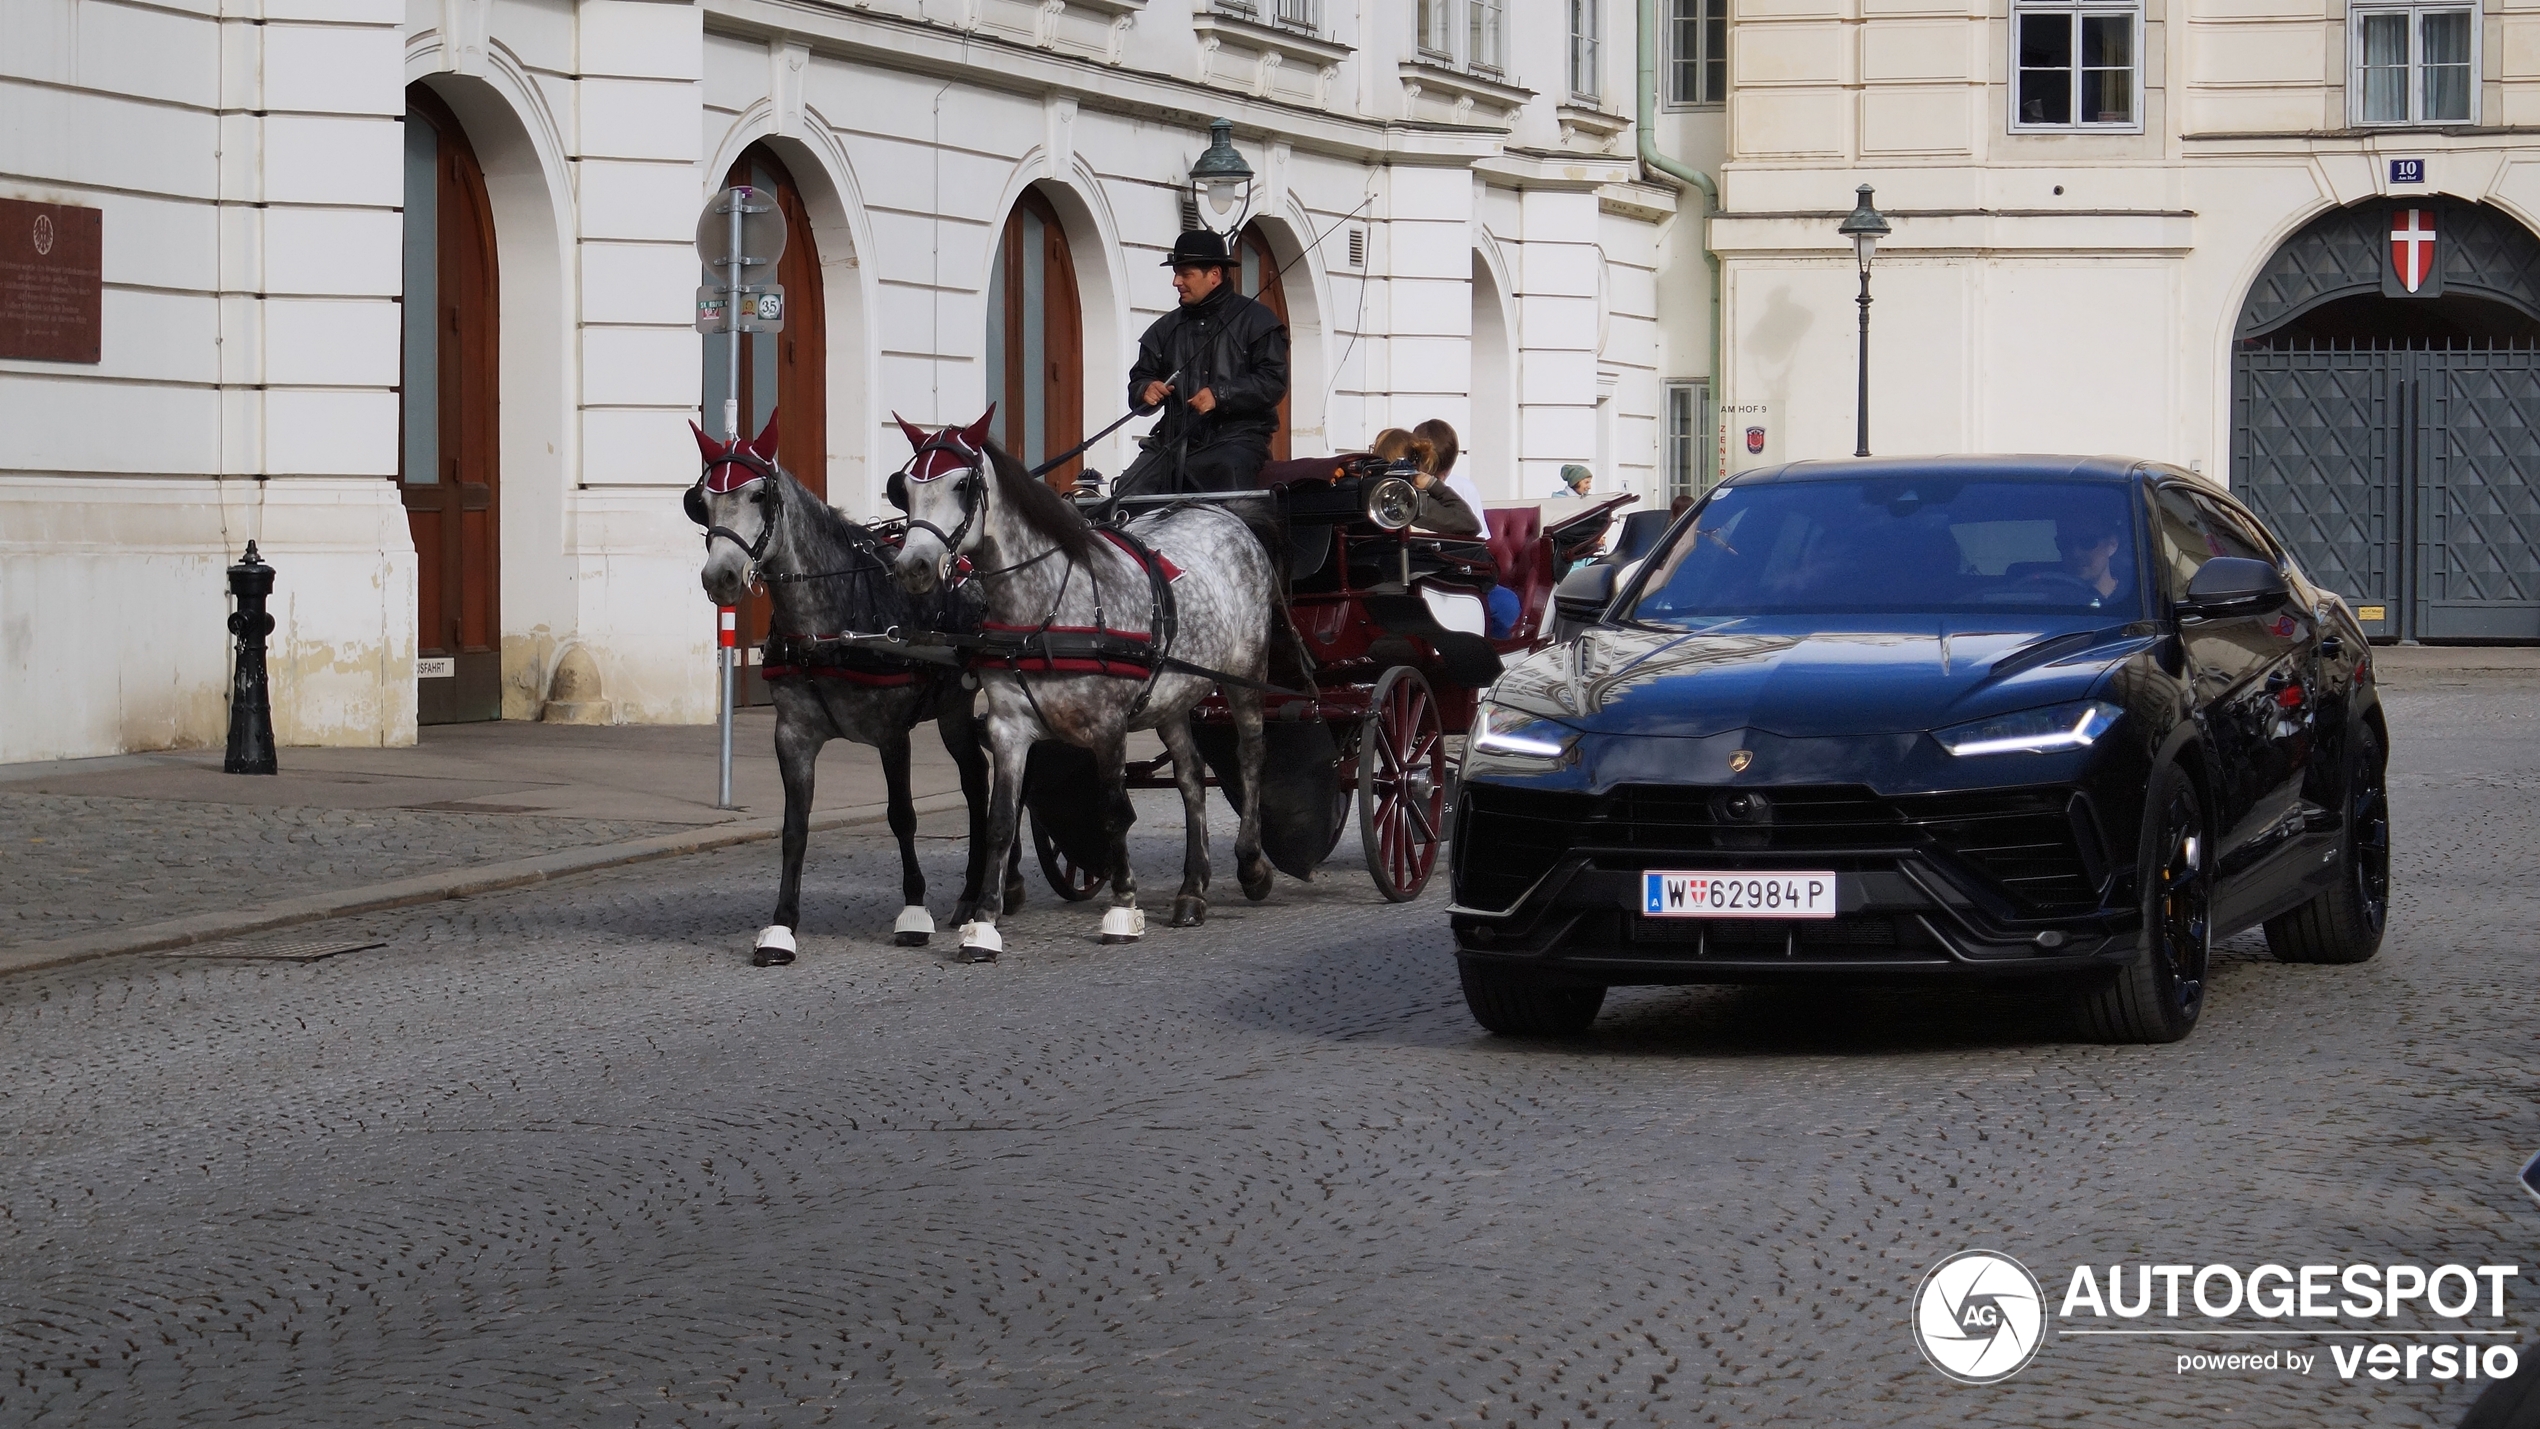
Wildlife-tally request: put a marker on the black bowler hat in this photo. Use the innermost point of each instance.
(1198, 248)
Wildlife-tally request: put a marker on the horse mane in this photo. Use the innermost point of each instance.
(1042, 509)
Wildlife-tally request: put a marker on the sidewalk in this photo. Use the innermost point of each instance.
(144, 851)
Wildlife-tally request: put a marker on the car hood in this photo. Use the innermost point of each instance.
(1817, 676)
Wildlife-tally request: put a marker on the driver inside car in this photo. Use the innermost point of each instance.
(2089, 550)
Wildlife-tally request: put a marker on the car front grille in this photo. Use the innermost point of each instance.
(2037, 848)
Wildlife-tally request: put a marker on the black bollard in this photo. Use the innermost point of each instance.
(250, 703)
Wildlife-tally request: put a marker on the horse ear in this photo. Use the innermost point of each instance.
(765, 447)
(706, 445)
(975, 435)
(916, 434)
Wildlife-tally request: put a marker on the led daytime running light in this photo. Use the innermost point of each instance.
(2046, 731)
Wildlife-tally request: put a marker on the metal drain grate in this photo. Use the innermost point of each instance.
(283, 948)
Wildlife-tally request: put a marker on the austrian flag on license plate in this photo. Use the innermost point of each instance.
(1737, 895)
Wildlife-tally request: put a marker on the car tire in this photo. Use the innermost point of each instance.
(1520, 1002)
(2344, 924)
(2160, 992)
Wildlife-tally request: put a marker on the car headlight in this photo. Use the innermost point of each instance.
(1515, 734)
(2051, 730)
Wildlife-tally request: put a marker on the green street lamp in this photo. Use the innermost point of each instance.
(1221, 182)
(1865, 226)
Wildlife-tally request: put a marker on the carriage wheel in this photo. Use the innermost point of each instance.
(1344, 788)
(1066, 879)
(1402, 784)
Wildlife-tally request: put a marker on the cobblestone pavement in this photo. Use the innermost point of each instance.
(71, 864)
(560, 1156)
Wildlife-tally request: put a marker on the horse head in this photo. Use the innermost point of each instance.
(945, 491)
(735, 499)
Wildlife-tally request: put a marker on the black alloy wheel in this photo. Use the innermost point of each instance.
(1521, 1002)
(2344, 924)
(2159, 994)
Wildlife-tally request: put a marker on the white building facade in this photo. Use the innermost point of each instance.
(403, 292)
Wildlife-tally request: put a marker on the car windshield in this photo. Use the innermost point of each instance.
(1938, 544)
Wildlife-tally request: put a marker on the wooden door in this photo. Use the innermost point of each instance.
(785, 373)
(1261, 282)
(448, 472)
(1036, 341)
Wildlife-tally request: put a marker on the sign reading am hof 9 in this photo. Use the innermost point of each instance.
(49, 281)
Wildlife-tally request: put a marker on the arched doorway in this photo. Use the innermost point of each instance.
(2386, 413)
(785, 372)
(1260, 279)
(447, 471)
(1036, 340)
(1494, 443)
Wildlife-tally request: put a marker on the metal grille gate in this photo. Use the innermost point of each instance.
(2406, 478)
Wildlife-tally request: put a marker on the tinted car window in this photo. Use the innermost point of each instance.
(2184, 544)
(1940, 545)
(2235, 531)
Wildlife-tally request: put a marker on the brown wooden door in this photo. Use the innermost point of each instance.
(1261, 281)
(785, 373)
(1036, 341)
(448, 473)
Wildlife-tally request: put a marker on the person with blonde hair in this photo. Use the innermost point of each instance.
(1438, 508)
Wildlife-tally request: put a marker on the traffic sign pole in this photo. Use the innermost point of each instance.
(726, 655)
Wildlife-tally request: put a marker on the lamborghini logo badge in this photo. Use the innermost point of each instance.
(1741, 759)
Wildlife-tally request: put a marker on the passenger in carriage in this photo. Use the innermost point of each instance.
(1450, 451)
(1437, 507)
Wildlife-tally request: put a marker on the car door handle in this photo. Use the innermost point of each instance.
(2332, 646)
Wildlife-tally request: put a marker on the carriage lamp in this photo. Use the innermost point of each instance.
(1390, 502)
(1865, 226)
(1221, 181)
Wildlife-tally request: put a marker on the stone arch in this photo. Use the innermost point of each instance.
(519, 149)
(859, 432)
(2482, 254)
(1309, 347)
(1075, 193)
(1494, 436)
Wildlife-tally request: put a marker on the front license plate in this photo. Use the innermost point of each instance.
(1737, 895)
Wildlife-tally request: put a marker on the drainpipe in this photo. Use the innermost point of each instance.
(1683, 174)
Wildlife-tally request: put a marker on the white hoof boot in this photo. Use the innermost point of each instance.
(981, 942)
(1123, 925)
(915, 926)
(775, 947)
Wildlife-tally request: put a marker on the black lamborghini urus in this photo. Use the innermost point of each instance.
(1986, 717)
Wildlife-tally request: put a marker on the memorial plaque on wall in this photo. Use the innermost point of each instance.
(49, 281)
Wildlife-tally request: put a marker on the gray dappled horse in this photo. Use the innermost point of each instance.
(827, 576)
(1090, 609)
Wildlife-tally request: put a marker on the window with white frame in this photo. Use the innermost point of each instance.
(1697, 51)
(1291, 14)
(1586, 48)
(1686, 454)
(2412, 64)
(1478, 26)
(2077, 64)
(1486, 34)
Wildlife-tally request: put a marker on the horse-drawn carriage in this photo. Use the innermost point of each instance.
(1395, 632)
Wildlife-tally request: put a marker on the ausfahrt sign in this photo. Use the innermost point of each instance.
(49, 281)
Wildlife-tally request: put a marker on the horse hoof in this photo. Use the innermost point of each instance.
(775, 947)
(981, 942)
(1256, 880)
(1123, 925)
(1189, 912)
(914, 927)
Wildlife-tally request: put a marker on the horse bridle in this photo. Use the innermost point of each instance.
(967, 485)
(772, 492)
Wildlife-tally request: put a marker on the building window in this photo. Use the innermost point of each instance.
(2079, 66)
(1437, 28)
(2413, 64)
(1686, 452)
(1698, 51)
(1586, 49)
(1293, 14)
(1486, 22)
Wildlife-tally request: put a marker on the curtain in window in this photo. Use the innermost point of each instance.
(2386, 68)
(1583, 49)
(1487, 45)
(2446, 61)
(2107, 69)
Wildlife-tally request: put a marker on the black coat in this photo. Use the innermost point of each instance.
(1229, 344)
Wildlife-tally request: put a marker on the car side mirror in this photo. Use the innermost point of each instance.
(2228, 584)
(1584, 593)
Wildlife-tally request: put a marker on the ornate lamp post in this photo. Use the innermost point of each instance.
(1221, 182)
(1865, 226)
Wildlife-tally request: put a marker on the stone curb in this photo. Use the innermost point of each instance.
(425, 888)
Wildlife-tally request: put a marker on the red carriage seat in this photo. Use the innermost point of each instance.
(1516, 547)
